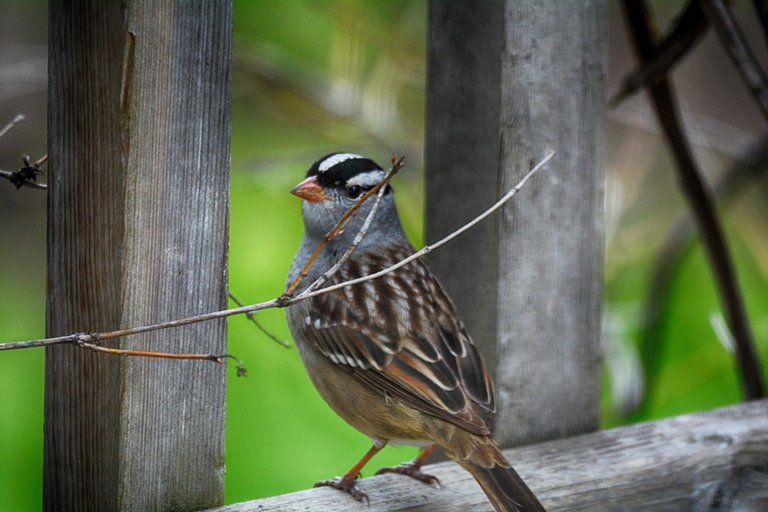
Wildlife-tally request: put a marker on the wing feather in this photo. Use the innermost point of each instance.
(416, 351)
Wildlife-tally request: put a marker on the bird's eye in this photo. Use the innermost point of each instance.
(354, 191)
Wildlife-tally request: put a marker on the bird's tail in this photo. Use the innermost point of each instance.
(505, 489)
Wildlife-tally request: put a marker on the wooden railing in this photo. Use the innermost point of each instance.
(711, 461)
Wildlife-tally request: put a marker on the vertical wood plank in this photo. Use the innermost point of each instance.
(138, 224)
(530, 284)
(462, 154)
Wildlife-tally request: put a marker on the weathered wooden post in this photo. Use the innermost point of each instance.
(139, 122)
(506, 82)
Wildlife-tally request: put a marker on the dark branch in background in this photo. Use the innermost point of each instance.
(677, 244)
(738, 49)
(698, 197)
(688, 29)
(761, 7)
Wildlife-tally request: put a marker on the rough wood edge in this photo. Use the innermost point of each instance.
(716, 459)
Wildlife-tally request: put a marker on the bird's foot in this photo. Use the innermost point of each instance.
(345, 484)
(413, 470)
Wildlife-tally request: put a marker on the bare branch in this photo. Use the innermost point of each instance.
(16, 120)
(252, 317)
(396, 166)
(81, 342)
(429, 248)
(761, 7)
(104, 336)
(356, 241)
(27, 175)
(280, 302)
(700, 202)
(688, 29)
(737, 47)
(678, 242)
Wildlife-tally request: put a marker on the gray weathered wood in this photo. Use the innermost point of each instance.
(138, 222)
(700, 462)
(508, 81)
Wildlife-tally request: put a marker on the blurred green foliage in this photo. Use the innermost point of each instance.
(310, 78)
(315, 76)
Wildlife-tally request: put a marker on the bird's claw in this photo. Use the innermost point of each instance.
(412, 470)
(345, 484)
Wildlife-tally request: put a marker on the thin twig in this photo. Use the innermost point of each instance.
(397, 164)
(320, 281)
(220, 359)
(701, 205)
(252, 317)
(27, 175)
(431, 247)
(9, 175)
(16, 120)
(110, 335)
(279, 302)
(738, 49)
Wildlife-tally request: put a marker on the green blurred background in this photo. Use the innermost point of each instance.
(315, 76)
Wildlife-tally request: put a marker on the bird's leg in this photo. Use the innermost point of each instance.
(413, 468)
(346, 483)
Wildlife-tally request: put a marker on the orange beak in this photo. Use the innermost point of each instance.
(309, 190)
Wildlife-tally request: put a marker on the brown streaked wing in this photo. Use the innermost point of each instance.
(437, 371)
(473, 373)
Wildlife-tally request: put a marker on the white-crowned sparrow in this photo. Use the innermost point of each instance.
(391, 355)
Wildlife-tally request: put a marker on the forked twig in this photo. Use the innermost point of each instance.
(320, 281)
(85, 342)
(253, 318)
(79, 338)
(27, 175)
(397, 164)
(431, 247)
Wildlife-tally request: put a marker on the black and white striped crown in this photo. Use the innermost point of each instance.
(337, 169)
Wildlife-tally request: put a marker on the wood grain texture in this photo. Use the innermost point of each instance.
(509, 81)
(462, 155)
(713, 461)
(139, 123)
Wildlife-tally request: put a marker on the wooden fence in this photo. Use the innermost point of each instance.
(712, 461)
(138, 207)
(139, 143)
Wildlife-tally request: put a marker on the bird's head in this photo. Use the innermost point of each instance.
(333, 185)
